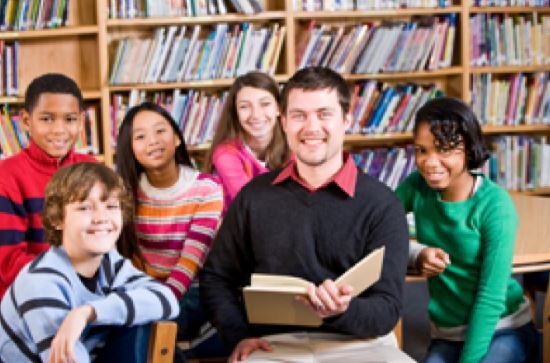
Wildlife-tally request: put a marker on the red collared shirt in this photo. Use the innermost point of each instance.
(345, 178)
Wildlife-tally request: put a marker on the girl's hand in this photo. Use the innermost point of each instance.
(63, 344)
(432, 261)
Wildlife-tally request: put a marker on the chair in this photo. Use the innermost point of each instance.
(162, 342)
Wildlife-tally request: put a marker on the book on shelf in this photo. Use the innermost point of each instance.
(20, 15)
(515, 99)
(195, 112)
(271, 299)
(388, 165)
(423, 43)
(383, 107)
(131, 9)
(343, 5)
(519, 162)
(172, 54)
(504, 39)
(9, 64)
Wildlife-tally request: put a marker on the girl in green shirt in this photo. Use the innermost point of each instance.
(466, 226)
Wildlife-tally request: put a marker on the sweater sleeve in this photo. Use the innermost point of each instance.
(224, 274)
(135, 298)
(498, 233)
(376, 311)
(231, 169)
(197, 243)
(43, 304)
(15, 226)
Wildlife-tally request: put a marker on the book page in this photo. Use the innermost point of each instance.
(364, 273)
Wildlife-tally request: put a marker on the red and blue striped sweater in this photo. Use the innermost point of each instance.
(23, 179)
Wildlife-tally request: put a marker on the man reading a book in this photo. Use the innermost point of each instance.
(314, 219)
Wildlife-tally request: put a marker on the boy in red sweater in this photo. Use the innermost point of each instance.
(53, 115)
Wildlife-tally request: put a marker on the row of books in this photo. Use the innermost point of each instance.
(510, 2)
(13, 137)
(503, 39)
(196, 112)
(389, 165)
(197, 53)
(520, 162)
(331, 5)
(9, 64)
(379, 107)
(130, 9)
(33, 14)
(515, 99)
(423, 43)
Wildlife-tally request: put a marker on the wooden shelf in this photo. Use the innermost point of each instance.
(50, 33)
(198, 149)
(212, 19)
(354, 14)
(207, 83)
(88, 95)
(509, 9)
(511, 69)
(405, 75)
(519, 129)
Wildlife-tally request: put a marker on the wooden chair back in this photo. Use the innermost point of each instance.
(162, 342)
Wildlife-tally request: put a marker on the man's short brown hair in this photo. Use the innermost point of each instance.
(73, 184)
(314, 79)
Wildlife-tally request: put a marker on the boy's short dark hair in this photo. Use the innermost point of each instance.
(453, 123)
(317, 78)
(73, 184)
(51, 83)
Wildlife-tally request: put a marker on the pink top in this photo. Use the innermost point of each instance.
(235, 166)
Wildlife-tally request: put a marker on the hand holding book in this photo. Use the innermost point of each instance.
(327, 299)
(271, 299)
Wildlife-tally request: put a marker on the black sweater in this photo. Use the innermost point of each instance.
(285, 229)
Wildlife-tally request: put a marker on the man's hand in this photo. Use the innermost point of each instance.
(63, 344)
(432, 261)
(327, 299)
(247, 346)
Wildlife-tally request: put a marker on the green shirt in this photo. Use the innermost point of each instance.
(476, 289)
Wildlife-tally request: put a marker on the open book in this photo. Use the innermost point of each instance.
(271, 299)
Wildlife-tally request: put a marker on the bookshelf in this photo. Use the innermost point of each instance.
(86, 50)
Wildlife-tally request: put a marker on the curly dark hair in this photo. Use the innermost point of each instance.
(453, 123)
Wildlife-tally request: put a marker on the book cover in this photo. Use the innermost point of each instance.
(271, 299)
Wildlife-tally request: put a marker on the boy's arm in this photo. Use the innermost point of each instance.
(16, 227)
(43, 305)
(135, 298)
(197, 243)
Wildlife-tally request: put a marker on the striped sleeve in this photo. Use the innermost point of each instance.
(19, 226)
(203, 225)
(40, 300)
(135, 298)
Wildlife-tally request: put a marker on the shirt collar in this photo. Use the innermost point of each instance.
(345, 178)
(44, 160)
